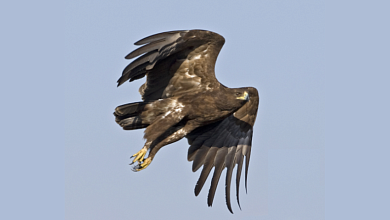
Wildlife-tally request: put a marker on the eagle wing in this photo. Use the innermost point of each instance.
(224, 144)
(174, 62)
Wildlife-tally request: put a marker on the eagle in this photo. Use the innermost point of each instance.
(183, 98)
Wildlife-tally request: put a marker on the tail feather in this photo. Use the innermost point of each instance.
(128, 116)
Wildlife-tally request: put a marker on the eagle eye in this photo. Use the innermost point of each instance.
(238, 93)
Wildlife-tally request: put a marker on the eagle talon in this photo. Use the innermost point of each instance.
(139, 156)
(142, 165)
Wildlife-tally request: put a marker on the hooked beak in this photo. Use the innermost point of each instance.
(244, 96)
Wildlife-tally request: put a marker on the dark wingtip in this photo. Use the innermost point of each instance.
(210, 200)
(229, 207)
(230, 166)
(238, 177)
(238, 198)
(247, 158)
(228, 204)
(246, 187)
(120, 81)
(197, 190)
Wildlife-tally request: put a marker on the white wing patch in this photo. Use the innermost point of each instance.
(187, 74)
(174, 107)
(197, 57)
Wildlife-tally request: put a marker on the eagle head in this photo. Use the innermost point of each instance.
(242, 95)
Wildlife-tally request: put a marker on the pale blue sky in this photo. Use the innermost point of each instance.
(319, 146)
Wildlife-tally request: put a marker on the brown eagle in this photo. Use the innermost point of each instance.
(182, 98)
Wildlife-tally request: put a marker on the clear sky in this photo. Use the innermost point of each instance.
(60, 92)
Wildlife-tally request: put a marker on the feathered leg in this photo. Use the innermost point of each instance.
(152, 133)
(175, 136)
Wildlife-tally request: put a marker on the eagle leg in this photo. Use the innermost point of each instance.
(179, 134)
(152, 134)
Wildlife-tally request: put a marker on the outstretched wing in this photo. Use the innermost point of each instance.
(175, 62)
(224, 144)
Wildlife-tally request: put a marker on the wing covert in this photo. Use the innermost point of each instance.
(174, 62)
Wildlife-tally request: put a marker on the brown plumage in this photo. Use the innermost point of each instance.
(182, 98)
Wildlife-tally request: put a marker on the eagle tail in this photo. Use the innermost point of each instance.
(128, 116)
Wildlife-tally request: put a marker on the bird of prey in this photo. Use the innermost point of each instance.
(182, 98)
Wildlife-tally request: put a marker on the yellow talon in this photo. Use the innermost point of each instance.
(145, 164)
(139, 156)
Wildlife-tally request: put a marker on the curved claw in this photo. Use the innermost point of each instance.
(143, 165)
(139, 156)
